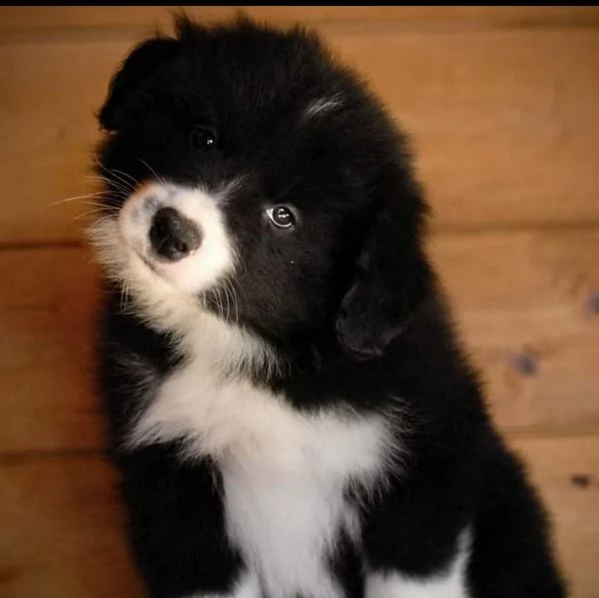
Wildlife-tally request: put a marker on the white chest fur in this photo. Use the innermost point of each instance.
(285, 473)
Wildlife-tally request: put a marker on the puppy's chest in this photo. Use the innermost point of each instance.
(285, 473)
(233, 420)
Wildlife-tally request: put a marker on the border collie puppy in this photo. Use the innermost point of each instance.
(290, 411)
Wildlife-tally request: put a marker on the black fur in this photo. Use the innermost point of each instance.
(348, 301)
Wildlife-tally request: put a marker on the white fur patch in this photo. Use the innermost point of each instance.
(449, 584)
(322, 106)
(164, 292)
(285, 473)
(206, 264)
(285, 510)
(247, 587)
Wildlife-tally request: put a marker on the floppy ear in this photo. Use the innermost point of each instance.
(129, 84)
(392, 275)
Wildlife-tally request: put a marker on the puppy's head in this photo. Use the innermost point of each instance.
(251, 176)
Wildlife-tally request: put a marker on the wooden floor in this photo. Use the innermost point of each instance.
(503, 107)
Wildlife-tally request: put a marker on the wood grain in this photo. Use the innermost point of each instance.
(46, 17)
(505, 124)
(62, 525)
(516, 296)
(566, 472)
(62, 531)
(501, 104)
(46, 334)
(526, 303)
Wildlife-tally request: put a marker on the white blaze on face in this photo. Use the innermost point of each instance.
(203, 266)
(165, 290)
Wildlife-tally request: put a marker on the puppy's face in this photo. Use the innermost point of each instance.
(244, 172)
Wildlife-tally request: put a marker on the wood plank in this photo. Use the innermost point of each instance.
(515, 295)
(62, 526)
(505, 126)
(62, 531)
(504, 123)
(527, 304)
(46, 354)
(566, 472)
(45, 17)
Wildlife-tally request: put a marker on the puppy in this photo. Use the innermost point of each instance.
(290, 411)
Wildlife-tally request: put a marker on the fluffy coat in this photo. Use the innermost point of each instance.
(291, 413)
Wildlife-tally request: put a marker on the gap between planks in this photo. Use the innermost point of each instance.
(434, 232)
(8, 458)
(37, 33)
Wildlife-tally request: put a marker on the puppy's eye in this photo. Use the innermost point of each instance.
(203, 137)
(281, 216)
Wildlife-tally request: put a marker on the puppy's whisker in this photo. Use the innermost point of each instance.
(111, 183)
(217, 301)
(225, 298)
(117, 175)
(226, 304)
(97, 177)
(100, 207)
(158, 177)
(97, 194)
(114, 188)
(98, 211)
(92, 204)
(231, 293)
(124, 295)
(133, 180)
(122, 184)
(229, 302)
(125, 187)
(222, 303)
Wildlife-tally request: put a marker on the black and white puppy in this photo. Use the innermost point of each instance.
(290, 411)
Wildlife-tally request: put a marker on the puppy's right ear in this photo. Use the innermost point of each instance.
(392, 274)
(131, 82)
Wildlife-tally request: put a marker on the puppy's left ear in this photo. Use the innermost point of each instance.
(392, 275)
(129, 85)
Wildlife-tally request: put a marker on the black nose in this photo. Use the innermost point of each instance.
(173, 236)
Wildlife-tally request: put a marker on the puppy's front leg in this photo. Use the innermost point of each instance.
(445, 582)
(176, 528)
(415, 546)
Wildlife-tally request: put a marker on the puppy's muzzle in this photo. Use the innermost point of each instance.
(173, 236)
